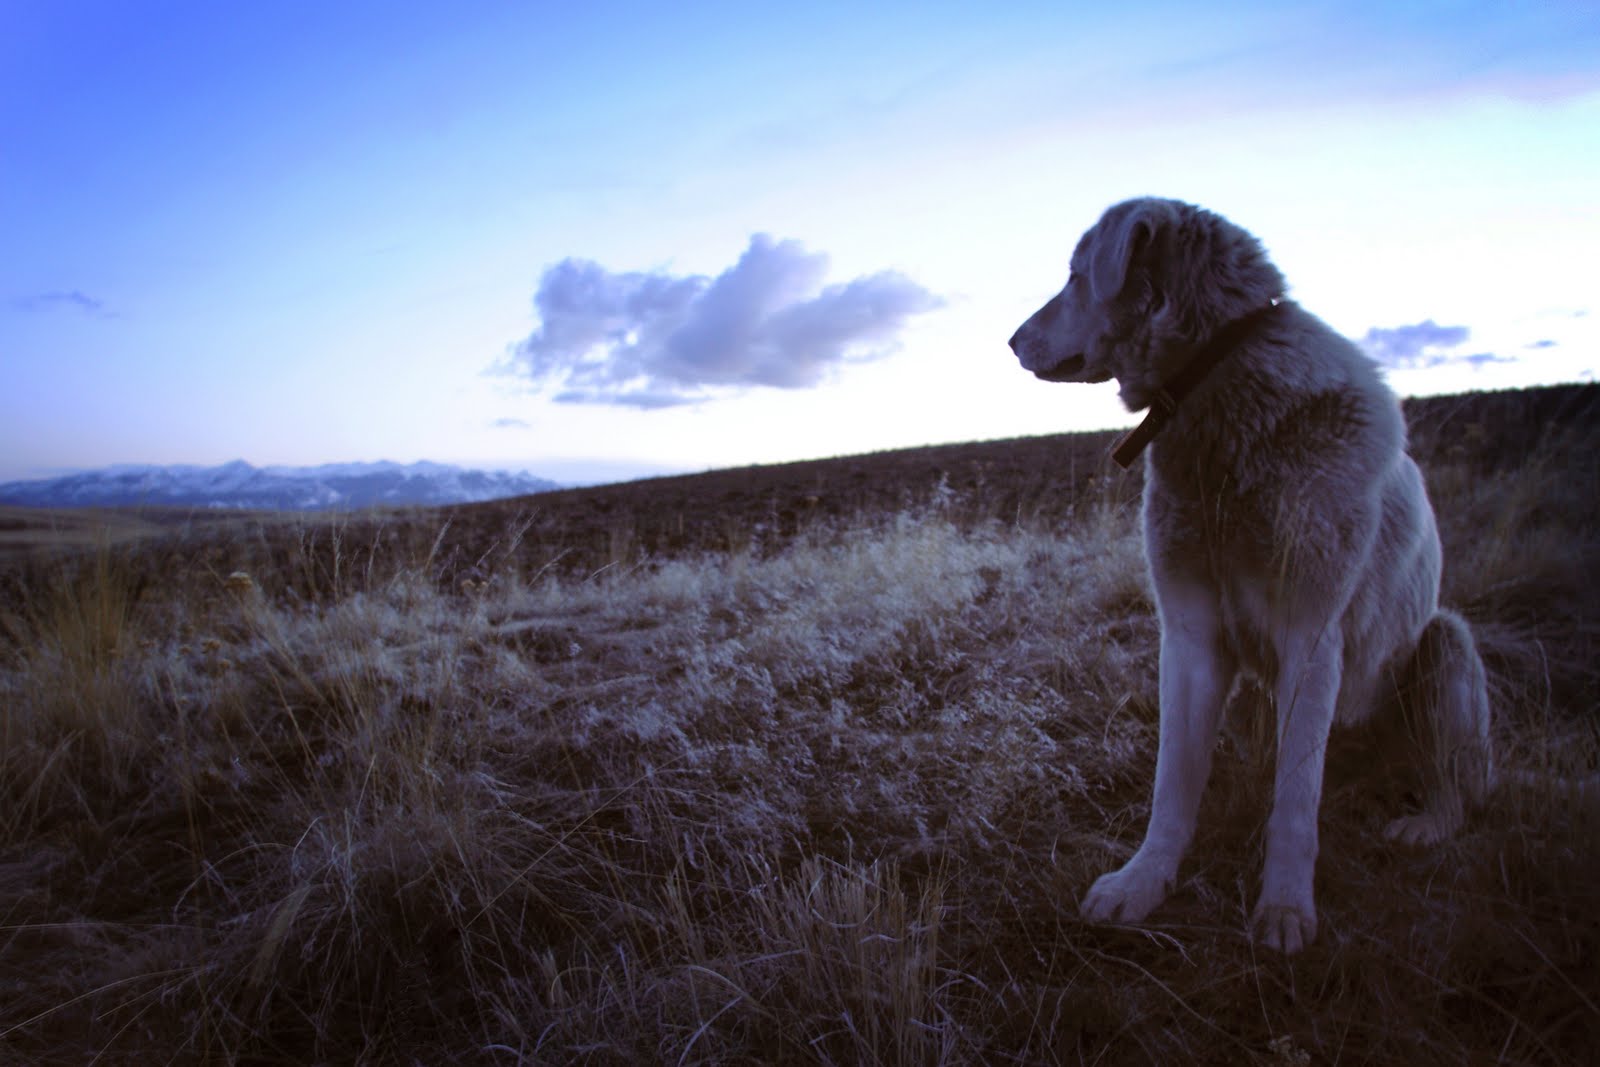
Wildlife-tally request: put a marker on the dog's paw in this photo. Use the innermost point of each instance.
(1125, 895)
(1287, 928)
(1423, 828)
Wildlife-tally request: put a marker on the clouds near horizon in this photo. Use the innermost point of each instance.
(1422, 344)
(650, 339)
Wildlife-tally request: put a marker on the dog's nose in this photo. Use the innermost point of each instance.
(1038, 323)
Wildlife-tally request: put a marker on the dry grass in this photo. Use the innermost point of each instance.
(831, 803)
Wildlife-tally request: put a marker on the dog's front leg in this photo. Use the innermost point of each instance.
(1196, 673)
(1309, 660)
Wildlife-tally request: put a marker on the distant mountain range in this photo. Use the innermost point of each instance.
(239, 485)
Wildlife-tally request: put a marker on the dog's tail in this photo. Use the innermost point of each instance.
(1444, 696)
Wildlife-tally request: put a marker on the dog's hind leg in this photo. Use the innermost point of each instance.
(1444, 697)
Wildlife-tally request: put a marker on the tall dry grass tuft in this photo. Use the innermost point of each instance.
(72, 664)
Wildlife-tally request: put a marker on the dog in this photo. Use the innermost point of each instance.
(1288, 535)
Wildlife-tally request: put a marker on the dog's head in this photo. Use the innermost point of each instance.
(1150, 281)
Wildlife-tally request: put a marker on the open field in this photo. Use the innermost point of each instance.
(26, 534)
(27, 530)
(807, 763)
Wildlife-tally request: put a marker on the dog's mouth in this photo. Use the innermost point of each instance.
(1073, 369)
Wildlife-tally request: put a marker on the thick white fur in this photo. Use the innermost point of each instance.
(1288, 534)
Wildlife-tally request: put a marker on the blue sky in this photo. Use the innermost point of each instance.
(600, 240)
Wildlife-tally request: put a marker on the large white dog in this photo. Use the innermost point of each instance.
(1287, 531)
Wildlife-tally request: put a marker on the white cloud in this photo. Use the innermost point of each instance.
(1422, 344)
(653, 340)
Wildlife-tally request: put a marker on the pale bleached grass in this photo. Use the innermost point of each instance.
(693, 779)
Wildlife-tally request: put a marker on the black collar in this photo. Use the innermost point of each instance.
(1167, 398)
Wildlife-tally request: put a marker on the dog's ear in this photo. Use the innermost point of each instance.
(1125, 232)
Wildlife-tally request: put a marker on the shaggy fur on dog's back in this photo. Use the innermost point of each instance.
(1288, 535)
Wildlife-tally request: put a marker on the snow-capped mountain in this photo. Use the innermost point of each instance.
(239, 485)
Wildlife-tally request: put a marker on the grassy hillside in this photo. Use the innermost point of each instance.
(791, 764)
(26, 531)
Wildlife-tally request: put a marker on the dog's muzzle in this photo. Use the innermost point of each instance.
(1072, 369)
(1032, 349)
